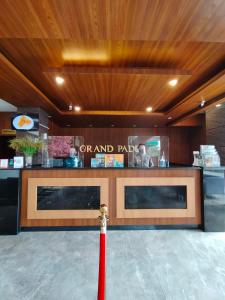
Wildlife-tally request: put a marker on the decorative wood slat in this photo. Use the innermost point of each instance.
(117, 70)
(121, 49)
(158, 20)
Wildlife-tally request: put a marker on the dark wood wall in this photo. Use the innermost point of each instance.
(183, 140)
(215, 130)
(5, 120)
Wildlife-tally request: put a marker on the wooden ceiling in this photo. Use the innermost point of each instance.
(116, 57)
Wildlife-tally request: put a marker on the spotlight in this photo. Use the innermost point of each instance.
(173, 82)
(77, 108)
(59, 80)
(149, 109)
(202, 104)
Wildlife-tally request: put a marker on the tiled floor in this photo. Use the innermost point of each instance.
(145, 265)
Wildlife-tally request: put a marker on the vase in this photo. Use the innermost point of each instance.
(28, 161)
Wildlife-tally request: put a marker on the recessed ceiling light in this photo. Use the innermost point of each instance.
(77, 108)
(149, 109)
(169, 118)
(59, 80)
(68, 125)
(218, 105)
(173, 82)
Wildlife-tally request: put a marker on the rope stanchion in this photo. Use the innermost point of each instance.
(102, 253)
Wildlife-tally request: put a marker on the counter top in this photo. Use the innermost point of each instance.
(88, 168)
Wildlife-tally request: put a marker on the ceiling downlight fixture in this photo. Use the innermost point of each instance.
(77, 108)
(59, 80)
(173, 82)
(149, 109)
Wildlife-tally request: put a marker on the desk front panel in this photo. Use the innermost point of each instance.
(168, 196)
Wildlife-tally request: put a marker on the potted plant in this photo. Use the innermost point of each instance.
(26, 145)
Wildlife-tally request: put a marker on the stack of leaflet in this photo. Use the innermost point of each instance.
(210, 156)
(102, 160)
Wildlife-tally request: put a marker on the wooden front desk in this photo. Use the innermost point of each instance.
(112, 183)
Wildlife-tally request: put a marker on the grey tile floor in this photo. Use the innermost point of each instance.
(145, 265)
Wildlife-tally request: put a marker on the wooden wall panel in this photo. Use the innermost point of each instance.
(5, 120)
(181, 139)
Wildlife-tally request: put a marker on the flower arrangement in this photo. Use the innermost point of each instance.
(59, 146)
(26, 145)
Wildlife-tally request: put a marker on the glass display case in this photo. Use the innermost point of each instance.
(64, 151)
(149, 151)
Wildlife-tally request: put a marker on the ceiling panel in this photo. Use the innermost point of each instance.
(34, 56)
(113, 121)
(184, 37)
(96, 91)
(212, 92)
(158, 20)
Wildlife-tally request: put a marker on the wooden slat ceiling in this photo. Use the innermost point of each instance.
(114, 55)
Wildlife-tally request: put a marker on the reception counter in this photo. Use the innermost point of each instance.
(71, 197)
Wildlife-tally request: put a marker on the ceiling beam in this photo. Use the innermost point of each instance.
(212, 92)
(115, 70)
(209, 104)
(27, 81)
(112, 113)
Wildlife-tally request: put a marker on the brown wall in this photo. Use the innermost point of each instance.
(5, 120)
(183, 140)
(215, 130)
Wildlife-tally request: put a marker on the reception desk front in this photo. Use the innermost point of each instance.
(71, 197)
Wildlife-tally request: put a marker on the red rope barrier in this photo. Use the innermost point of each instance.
(102, 254)
(102, 261)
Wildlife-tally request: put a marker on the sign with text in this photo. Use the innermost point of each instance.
(108, 148)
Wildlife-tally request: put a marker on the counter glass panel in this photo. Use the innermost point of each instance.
(64, 151)
(149, 151)
(68, 197)
(155, 197)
